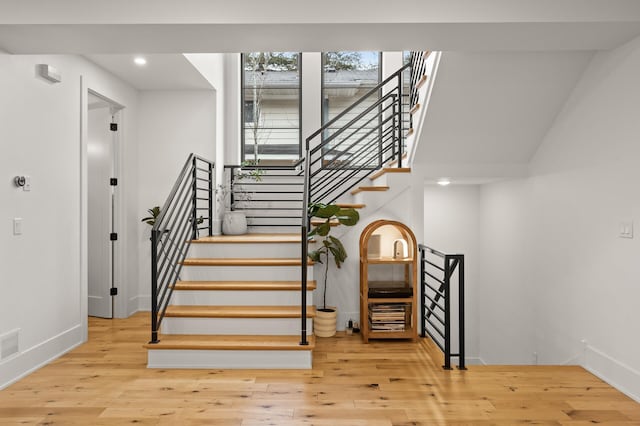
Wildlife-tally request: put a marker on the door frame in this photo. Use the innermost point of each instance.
(119, 303)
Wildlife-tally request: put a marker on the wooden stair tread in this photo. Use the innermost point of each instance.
(243, 285)
(320, 221)
(284, 261)
(414, 109)
(206, 311)
(421, 82)
(351, 205)
(386, 170)
(409, 132)
(369, 189)
(253, 238)
(231, 342)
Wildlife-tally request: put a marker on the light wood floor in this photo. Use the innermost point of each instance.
(384, 383)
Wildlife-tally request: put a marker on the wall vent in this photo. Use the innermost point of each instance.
(9, 344)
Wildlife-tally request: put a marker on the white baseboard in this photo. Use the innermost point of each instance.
(26, 362)
(144, 303)
(619, 375)
(474, 360)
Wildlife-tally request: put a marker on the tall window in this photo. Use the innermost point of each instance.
(271, 103)
(346, 77)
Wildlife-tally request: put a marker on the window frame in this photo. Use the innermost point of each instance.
(243, 102)
(324, 106)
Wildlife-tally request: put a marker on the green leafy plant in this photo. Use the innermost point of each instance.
(331, 246)
(251, 172)
(154, 212)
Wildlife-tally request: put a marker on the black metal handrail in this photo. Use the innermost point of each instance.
(257, 190)
(187, 211)
(435, 304)
(335, 162)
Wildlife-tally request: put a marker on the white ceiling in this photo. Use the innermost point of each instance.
(508, 66)
(489, 111)
(197, 26)
(162, 71)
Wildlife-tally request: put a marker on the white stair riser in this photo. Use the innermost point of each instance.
(244, 273)
(231, 326)
(239, 298)
(274, 229)
(262, 222)
(181, 358)
(252, 251)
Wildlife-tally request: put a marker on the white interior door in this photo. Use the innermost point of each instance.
(100, 165)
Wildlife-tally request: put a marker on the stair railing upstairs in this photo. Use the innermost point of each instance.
(437, 271)
(356, 142)
(187, 211)
(360, 140)
(269, 195)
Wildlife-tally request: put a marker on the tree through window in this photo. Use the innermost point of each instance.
(271, 103)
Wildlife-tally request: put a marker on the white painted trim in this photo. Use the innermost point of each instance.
(619, 375)
(144, 303)
(468, 360)
(425, 96)
(84, 206)
(30, 360)
(120, 310)
(474, 360)
(296, 359)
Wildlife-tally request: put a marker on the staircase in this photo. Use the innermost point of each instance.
(237, 301)
(218, 324)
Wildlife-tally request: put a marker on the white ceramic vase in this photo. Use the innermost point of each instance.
(234, 223)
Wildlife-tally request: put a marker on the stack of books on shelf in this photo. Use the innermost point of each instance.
(387, 316)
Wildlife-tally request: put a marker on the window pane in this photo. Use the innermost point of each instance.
(347, 76)
(271, 110)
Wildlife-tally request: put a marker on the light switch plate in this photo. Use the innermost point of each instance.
(626, 229)
(27, 183)
(17, 226)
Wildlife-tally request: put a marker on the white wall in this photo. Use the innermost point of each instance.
(44, 286)
(172, 125)
(505, 303)
(452, 225)
(557, 234)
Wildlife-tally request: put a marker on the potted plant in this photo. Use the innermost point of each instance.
(154, 212)
(325, 321)
(235, 222)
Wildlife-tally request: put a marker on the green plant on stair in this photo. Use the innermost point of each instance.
(331, 246)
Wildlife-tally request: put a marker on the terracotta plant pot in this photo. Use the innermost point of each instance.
(324, 324)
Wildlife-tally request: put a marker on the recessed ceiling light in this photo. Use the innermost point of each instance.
(443, 181)
(139, 60)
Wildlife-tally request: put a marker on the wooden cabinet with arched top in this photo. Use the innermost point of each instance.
(388, 283)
